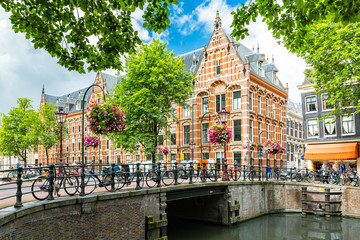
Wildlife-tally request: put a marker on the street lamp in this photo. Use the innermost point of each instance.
(61, 118)
(224, 116)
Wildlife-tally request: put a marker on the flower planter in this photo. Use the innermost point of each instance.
(219, 133)
(272, 147)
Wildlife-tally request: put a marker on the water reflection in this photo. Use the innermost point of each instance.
(269, 227)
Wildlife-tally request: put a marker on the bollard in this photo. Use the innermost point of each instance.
(113, 177)
(244, 177)
(176, 171)
(260, 166)
(19, 192)
(191, 173)
(203, 176)
(252, 171)
(235, 172)
(290, 174)
(82, 184)
(40, 170)
(138, 176)
(267, 169)
(216, 172)
(51, 182)
(159, 175)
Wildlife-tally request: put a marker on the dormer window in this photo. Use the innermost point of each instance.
(78, 105)
(260, 69)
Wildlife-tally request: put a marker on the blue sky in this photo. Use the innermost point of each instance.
(24, 70)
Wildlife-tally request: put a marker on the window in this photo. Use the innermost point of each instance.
(312, 128)
(280, 116)
(267, 131)
(329, 126)
(161, 158)
(127, 158)
(300, 131)
(107, 143)
(73, 127)
(137, 158)
(236, 100)
(237, 158)
(348, 124)
(186, 111)
(260, 69)
(117, 159)
(205, 155)
(173, 157)
(274, 131)
(259, 130)
(220, 102)
(251, 100)
(173, 109)
(325, 103)
(79, 127)
(274, 110)
(280, 135)
(204, 136)
(310, 104)
(79, 146)
(173, 135)
(251, 130)
(161, 139)
(259, 103)
(267, 107)
(217, 67)
(107, 160)
(186, 134)
(237, 130)
(187, 156)
(205, 105)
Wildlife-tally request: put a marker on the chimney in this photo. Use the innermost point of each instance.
(287, 87)
(258, 49)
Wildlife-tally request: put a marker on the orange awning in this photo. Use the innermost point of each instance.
(332, 151)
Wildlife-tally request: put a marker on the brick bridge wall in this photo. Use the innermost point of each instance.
(122, 214)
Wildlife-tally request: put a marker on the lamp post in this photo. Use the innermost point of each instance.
(192, 147)
(61, 118)
(224, 116)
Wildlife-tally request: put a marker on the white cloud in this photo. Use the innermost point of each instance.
(202, 18)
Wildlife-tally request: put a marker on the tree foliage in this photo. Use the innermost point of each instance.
(325, 33)
(18, 130)
(155, 81)
(95, 32)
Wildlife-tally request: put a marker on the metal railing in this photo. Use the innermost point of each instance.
(26, 184)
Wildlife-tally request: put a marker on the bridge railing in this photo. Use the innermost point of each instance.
(48, 182)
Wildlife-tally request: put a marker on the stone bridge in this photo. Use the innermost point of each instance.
(142, 214)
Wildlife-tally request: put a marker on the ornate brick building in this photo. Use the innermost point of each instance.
(228, 75)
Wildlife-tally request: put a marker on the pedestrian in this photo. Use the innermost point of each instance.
(269, 174)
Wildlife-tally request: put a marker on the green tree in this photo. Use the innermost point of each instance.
(325, 33)
(18, 130)
(48, 128)
(95, 32)
(155, 80)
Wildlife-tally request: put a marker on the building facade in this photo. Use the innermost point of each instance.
(295, 136)
(228, 75)
(330, 141)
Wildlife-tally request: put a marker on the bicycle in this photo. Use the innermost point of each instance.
(40, 188)
(154, 176)
(93, 180)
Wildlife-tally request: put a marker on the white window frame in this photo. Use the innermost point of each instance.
(186, 111)
(322, 103)
(202, 105)
(348, 134)
(316, 108)
(307, 128)
(237, 101)
(331, 118)
(259, 103)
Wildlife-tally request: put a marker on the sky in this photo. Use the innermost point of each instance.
(25, 70)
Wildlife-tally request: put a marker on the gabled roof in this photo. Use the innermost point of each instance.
(192, 60)
(111, 81)
(69, 99)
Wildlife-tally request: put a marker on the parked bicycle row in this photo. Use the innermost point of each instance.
(72, 179)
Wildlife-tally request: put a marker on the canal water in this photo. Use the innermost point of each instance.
(269, 227)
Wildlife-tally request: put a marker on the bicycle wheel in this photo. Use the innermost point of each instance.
(71, 185)
(151, 179)
(40, 188)
(181, 174)
(120, 180)
(90, 184)
(167, 178)
(141, 179)
(211, 175)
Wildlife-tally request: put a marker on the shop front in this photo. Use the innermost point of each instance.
(338, 156)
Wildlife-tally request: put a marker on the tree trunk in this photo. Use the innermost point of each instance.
(25, 159)
(47, 156)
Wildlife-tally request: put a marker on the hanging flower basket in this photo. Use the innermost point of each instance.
(163, 149)
(272, 147)
(105, 118)
(219, 133)
(91, 140)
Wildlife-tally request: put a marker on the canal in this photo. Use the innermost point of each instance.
(269, 227)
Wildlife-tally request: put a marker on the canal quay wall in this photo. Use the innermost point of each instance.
(142, 214)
